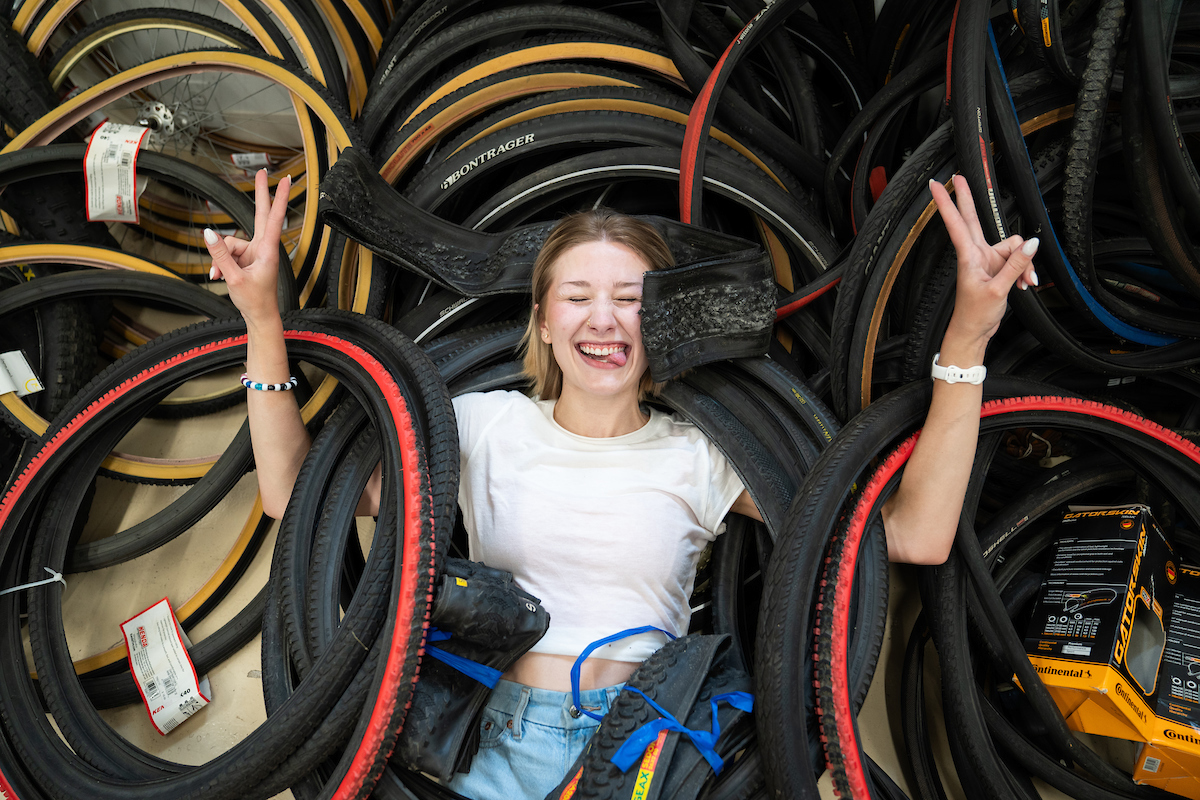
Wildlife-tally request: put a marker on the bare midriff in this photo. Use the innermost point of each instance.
(548, 671)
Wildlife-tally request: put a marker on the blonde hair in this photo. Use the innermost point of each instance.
(596, 225)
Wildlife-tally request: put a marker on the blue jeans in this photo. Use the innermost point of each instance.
(528, 740)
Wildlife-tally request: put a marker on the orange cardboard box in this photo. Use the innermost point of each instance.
(1115, 637)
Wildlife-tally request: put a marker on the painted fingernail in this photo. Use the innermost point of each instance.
(212, 273)
(210, 236)
(1023, 285)
(1030, 246)
(1034, 278)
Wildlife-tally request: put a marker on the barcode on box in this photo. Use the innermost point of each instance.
(1151, 764)
(152, 689)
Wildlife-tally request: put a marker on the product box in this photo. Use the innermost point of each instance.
(1115, 636)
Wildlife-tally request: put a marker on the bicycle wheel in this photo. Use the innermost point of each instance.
(172, 75)
(282, 27)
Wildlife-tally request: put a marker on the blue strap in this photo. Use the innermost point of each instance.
(705, 741)
(486, 675)
(587, 651)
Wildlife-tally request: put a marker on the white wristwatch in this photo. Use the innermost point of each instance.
(953, 374)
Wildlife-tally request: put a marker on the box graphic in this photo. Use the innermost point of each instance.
(1115, 636)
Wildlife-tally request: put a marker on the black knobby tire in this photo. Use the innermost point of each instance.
(204, 347)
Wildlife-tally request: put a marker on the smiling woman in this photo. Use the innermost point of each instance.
(600, 504)
(584, 334)
(562, 487)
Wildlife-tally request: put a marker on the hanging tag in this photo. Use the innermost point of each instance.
(250, 161)
(161, 667)
(16, 375)
(110, 172)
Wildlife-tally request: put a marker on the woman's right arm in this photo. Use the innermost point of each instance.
(250, 270)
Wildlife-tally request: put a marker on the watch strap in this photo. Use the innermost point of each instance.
(953, 374)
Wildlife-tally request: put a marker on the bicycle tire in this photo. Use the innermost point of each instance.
(402, 149)
(337, 133)
(37, 21)
(1112, 422)
(382, 117)
(19, 497)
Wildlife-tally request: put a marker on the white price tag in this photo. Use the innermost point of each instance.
(16, 375)
(162, 668)
(110, 172)
(250, 160)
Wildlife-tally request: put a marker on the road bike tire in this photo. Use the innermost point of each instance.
(401, 150)
(636, 103)
(545, 140)
(461, 30)
(737, 113)
(336, 132)
(1150, 188)
(917, 78)
(83, 41)
(283, 28)
(1153, 49)
(691, 164)
(1075, 275)
(402, 82)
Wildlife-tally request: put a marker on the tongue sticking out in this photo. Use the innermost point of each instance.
(617, 358)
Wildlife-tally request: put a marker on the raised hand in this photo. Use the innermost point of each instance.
(921, 518)
(251, 268)
(986, 272)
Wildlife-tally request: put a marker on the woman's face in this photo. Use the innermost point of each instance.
(590, 316)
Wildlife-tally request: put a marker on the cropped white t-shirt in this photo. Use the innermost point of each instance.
(606, 532)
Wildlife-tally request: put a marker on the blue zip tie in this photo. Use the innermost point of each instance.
(705, 741)
(587, 651)
(488, 676)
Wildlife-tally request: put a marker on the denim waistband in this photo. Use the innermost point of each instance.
(547, 707)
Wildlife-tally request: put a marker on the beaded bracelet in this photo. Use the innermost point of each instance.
(268, 387)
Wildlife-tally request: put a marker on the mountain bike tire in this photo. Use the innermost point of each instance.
(224, 347)
(1070, 413)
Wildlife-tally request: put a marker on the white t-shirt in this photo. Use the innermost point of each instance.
(606, 532)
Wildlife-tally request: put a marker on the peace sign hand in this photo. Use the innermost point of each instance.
(250, 269)
(986, 272)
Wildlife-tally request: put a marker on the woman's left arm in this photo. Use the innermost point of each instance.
(921, 518)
